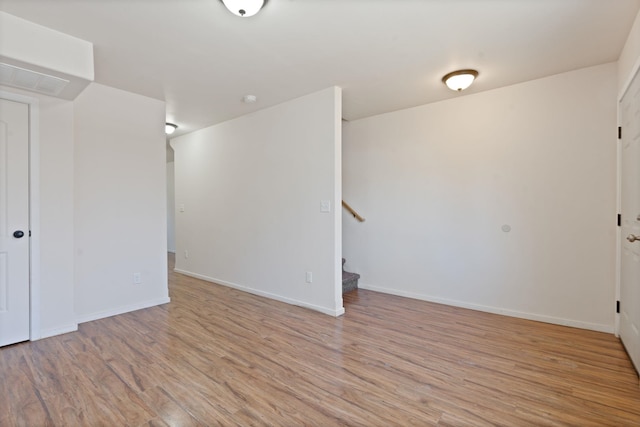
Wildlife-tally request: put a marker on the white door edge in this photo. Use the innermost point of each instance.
(34, 208)
(618, 261)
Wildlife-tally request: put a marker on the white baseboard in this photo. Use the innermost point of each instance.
(121, 310)
(495, 310)
(325, 310)
(46, 333)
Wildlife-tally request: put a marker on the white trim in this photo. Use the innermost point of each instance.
(337, 199)
(618, 265)
(495, 310)
(121, 310)
(629, 80)
(34, 208)
(329, 311)
(46, 333)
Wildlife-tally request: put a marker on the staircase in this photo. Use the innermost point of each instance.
(349, 280)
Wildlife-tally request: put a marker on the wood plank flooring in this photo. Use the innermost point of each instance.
(217, 356)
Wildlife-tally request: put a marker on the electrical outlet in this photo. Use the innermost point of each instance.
(137, 278)
(186, 253)
(309, 277)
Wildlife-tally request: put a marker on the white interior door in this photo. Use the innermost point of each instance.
(14, 222)
(630, 242)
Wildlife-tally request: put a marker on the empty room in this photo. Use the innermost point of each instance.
(319, 212)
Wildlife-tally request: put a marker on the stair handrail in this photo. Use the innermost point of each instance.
(352, 211)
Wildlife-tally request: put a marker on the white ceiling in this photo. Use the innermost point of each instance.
(385, 54)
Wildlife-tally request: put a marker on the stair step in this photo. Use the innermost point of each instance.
(349, 280)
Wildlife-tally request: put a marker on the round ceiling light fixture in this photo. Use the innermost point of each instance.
(170, 128)
(244, 8)
(460, 80)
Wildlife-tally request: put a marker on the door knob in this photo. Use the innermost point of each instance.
(632, 238)
(18, 234)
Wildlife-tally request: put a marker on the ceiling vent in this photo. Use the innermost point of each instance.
(42, 60)
(11, 75)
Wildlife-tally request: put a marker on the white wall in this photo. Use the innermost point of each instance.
(120, 202)
(57, 314)
(251, 190)
(437, 182)
(171, 208)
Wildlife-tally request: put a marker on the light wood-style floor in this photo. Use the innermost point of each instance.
(217, 356)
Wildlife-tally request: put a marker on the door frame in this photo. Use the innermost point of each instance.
(34, 208)
(623, 90)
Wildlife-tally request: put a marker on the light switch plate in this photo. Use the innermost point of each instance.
(325, 206)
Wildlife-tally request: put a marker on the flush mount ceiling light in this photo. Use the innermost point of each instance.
(170, 128)
(460, 80)
(244, 8)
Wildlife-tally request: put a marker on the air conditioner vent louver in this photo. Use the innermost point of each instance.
(11, 75)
